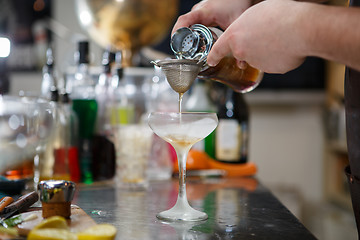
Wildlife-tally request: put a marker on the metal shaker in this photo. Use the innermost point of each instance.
(56, 197)
(195, 43)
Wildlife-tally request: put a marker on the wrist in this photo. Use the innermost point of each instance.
(304, 28)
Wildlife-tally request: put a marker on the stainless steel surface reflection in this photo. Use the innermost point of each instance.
(54, 191)
(238, 208)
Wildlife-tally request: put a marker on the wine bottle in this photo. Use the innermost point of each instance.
(231, 141)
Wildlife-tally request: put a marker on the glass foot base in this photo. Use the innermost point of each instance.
(187, 215)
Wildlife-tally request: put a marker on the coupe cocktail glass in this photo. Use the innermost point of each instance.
(182, 131)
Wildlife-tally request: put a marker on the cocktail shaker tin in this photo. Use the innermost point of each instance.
(195, 43)
(56, 197)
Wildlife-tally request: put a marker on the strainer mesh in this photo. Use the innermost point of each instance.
(180, 73)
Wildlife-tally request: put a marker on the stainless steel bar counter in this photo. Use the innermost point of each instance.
(238, 208)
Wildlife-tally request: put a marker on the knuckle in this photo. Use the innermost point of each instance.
(239, 53)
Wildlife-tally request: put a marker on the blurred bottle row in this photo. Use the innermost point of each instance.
(88, 107)
(69, 152)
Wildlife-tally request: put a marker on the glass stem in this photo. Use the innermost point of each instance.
(182, 156)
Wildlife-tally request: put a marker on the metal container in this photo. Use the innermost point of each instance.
(56, 197)
(195, 43)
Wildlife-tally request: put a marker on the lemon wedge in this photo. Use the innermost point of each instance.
(56, 228)
(9, 231)
(98, 232)
(51, 234)
(53, 222)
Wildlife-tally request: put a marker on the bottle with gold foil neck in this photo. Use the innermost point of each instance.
(195, 43)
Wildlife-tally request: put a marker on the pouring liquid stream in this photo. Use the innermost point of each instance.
(180, 101)
(181, 94)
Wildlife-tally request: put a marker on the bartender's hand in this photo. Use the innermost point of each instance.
(265, 36)
(213, 13)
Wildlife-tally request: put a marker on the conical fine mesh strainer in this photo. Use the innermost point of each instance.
(180, 73)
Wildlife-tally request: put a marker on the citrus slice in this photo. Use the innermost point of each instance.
(8, 231)
(53, 222)
(234, 170)
(51, 234)
(98, 232)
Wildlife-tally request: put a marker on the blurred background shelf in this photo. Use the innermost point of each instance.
(296, 136)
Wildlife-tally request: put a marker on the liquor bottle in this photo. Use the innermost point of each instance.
(104, 93)
(117, 71)
(48, 75)
(199, 101)
(61, 168)
(85, 105)
(231, 144)
(71, 129)
(55, 163)
(103, 148)
(122, 107)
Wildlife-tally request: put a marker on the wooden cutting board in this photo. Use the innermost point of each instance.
(78, 221)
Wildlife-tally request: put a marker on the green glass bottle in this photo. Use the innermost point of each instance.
(85, 106)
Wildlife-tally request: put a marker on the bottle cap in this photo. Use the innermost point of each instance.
(49, 57)
(54, 94)
(64, 97)
(83, 52)
(120, 72)
(107, 60)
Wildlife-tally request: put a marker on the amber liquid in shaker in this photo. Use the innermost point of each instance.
(227, 72)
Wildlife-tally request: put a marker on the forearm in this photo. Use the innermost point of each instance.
(331, 33)
(253, 2)
(314, 1)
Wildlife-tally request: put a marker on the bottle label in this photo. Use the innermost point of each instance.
(228, 141)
